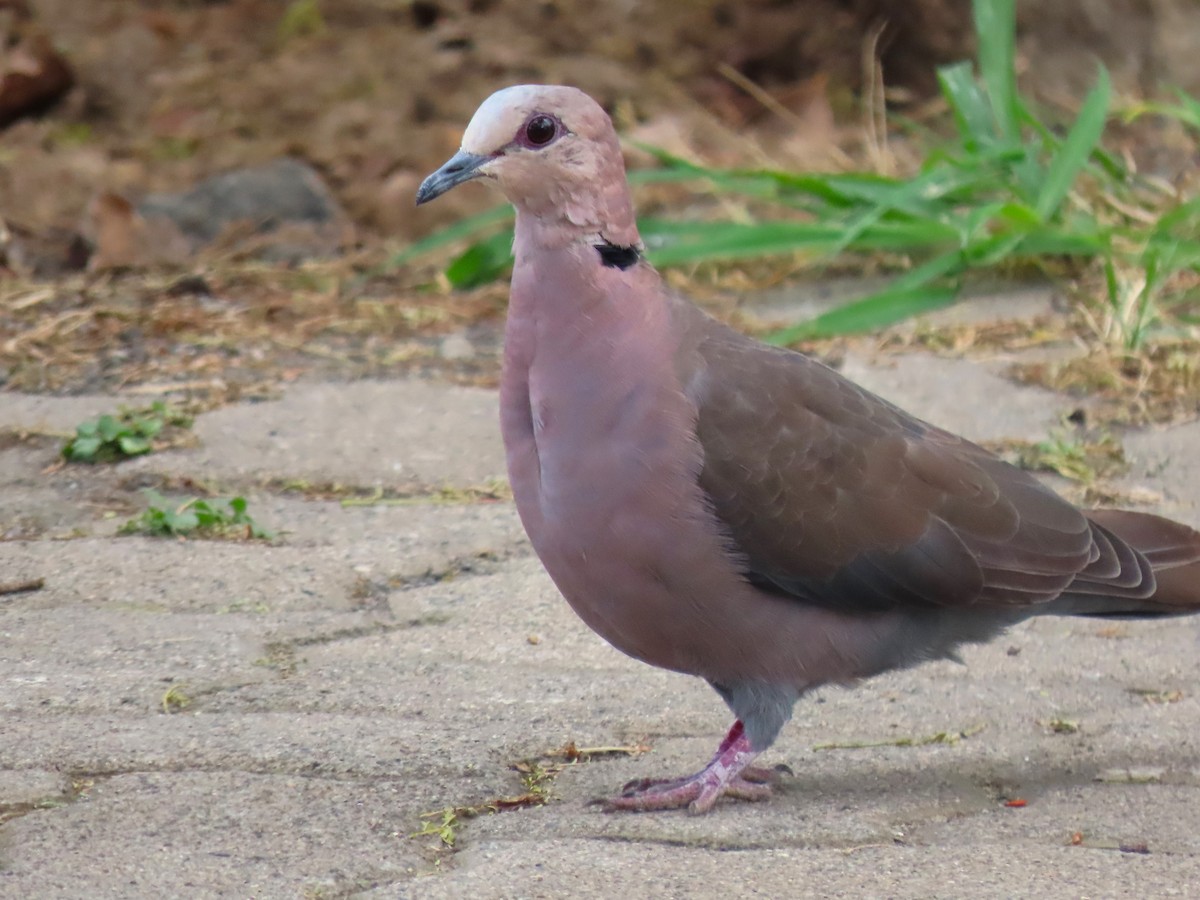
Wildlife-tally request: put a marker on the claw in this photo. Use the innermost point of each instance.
(728, 774)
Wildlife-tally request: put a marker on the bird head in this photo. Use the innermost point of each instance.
(553, 152)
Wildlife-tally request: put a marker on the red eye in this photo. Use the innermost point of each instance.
(540, 130)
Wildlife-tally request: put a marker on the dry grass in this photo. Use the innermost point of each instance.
(228, 329)
(1158, 384)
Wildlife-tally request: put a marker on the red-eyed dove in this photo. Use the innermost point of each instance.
(716, 506)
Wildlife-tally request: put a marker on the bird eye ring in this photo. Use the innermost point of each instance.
(540, 130)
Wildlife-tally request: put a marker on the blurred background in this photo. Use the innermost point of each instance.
(163, 153)
(138, 96)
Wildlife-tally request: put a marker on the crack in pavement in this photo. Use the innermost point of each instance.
(77, 786)
(281, 655)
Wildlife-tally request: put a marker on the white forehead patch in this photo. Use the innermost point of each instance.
(498, 117)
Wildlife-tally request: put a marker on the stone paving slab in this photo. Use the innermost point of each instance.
(948, 392)
(361, 433)
(1167, 460)
(214, 719)
(966, 868)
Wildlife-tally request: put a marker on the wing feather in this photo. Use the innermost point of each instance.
(836, 497)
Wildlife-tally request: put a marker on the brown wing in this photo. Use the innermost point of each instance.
(837, 497)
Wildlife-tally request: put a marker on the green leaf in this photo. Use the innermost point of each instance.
(183, 521)
(482, 262)
(1077, 149)
(206, 515)
(149, 427)
(199, 517)
(109, 428)
(133, 445)
(83, 449)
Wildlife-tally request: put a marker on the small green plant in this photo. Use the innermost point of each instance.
(444, 824)
(175, 700)
(1075, 457)
(536, 778)
(129, 433)
(196, 518)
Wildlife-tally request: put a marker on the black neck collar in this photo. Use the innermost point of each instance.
(617, 257)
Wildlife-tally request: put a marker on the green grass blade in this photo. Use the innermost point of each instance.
(877, 311)
(674, 243)
(670, 243)
(969, 107)
(922, 289)
(1076, 150)
(661, 176)
(482, 262)
(995, 29)
(856, 228)
(468, 227)
(940, 267)
(994, 250)
(1188, 110)
(1186, 214)
(1052, 241)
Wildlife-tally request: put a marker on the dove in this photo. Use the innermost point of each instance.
(716, 506)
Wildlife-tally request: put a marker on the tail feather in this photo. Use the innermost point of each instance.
(1120, 570)
(1178, 588)
(1159, 571)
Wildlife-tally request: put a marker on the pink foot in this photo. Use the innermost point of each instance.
(729, 774)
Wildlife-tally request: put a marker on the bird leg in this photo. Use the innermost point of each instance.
(728, 774)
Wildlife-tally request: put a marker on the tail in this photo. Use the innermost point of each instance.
(1147, 566)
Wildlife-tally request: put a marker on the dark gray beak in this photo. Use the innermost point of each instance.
(462, 166)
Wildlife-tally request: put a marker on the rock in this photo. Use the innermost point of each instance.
(263, 197)
(280, 211)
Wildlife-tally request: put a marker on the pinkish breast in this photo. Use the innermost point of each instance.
(602, 455)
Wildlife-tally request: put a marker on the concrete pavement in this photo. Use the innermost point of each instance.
(215, 719)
